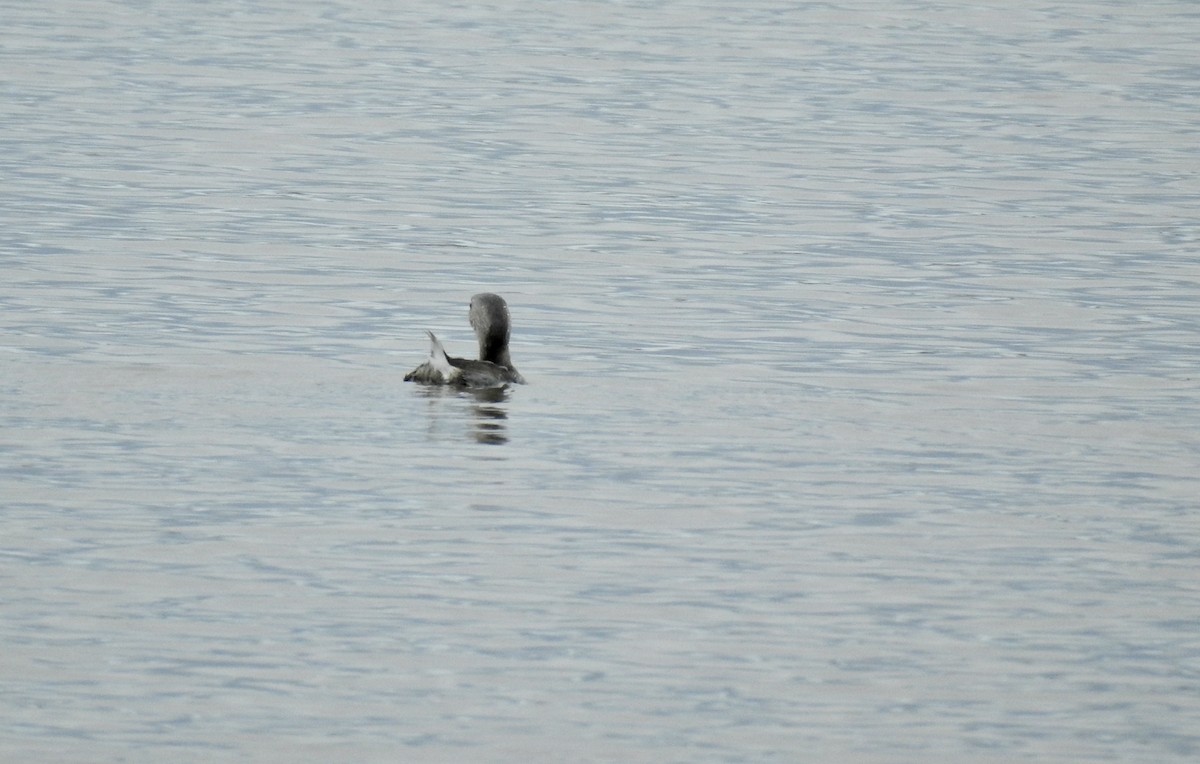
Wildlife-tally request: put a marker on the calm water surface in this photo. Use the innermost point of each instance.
(862, 342)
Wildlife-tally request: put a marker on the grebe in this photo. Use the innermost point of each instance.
(489, 319)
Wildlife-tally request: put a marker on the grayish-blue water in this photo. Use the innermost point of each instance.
(863, 419)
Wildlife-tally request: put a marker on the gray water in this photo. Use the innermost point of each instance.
(862, 419)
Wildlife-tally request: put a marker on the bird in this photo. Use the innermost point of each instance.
(489, 319)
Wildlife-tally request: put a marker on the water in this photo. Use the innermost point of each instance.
(862, 415)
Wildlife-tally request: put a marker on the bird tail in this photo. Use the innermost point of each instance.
(437, 357)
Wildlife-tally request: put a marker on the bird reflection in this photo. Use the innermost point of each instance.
(488, 414)
(490, 418)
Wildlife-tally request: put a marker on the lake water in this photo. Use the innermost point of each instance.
(862, 421)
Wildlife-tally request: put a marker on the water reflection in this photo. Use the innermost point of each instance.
(490, 427)
(488, 415)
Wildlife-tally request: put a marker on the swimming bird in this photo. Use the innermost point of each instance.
(489, 319)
